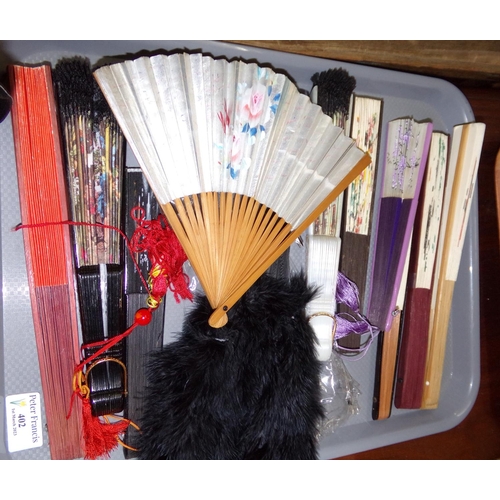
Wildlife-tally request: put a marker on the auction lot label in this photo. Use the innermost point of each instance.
(24, 421)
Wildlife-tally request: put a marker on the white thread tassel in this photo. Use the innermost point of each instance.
(323, 253)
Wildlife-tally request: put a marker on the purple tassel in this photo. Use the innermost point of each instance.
(347, 293)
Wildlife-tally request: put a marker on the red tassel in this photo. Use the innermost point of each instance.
(158, 240)
(101, 438)
(164, 251)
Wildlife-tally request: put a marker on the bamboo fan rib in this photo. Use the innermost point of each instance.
(240, 161)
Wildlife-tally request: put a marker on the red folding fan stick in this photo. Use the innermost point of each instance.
(48, 250)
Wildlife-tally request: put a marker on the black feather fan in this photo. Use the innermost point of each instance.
(248, 390)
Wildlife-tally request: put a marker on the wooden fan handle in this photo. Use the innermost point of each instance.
(218, 319)
(384, 392)
(219, 316)
(437, 346)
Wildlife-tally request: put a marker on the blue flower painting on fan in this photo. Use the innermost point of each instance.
(254, 107)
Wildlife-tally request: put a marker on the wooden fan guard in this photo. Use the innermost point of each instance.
(231, 239)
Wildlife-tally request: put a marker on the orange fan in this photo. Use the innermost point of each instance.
(240, 161)
(43, 199)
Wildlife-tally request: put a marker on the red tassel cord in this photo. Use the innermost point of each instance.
(100, 437)
(157, 239)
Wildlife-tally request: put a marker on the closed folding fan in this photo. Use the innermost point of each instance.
(240, 161)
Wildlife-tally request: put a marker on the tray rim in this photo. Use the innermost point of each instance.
(291, 62)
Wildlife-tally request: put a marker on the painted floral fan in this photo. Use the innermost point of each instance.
(240, 161)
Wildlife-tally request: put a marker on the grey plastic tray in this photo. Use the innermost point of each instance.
(404, 95)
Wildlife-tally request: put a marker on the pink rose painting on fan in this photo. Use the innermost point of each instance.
(237, 151)
(254, 106)
(251, 107)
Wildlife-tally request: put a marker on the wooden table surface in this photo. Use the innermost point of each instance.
(475, 68)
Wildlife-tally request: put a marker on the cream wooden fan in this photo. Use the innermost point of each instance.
(240, 161)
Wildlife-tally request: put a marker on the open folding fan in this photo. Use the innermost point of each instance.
(240, 161)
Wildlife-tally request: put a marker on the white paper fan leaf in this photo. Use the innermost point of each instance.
(239, 159)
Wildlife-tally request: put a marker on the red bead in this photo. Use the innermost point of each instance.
(143, 317)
